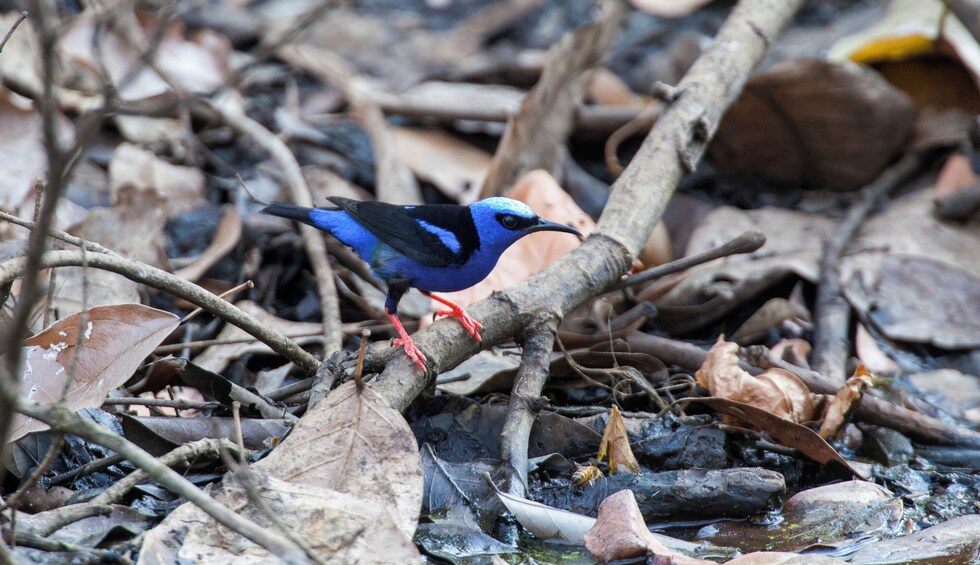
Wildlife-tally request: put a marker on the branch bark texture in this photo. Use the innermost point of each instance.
(636, 203)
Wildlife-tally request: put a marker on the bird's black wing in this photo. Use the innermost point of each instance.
(400, 228)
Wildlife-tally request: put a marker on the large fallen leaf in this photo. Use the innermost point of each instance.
(354, 442)
(22, 155)
(810, 123)
(788, 433)
(340, 527)
(777, 391)
(620, 533)
(454, 166)
(197, 64)
(115, 341)
(133, 169)
(541, 192)
(844, 402)
(616, 444)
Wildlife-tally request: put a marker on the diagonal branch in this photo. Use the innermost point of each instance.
(636, 203)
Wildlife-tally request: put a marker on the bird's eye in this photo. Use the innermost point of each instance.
(508, 221)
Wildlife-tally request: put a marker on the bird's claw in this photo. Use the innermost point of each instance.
(468, 322)
(413, 352)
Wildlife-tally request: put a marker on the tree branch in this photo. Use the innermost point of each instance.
(636, 203)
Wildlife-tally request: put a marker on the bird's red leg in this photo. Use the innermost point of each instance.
(456, 311)
(405, 341)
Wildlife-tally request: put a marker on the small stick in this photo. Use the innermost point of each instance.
(161, 402)
(359, 371)
(234, 290)
(236, 407)
(3, 43)
(746, 242)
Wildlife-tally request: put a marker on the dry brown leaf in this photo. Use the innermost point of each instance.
(871, 355)
(136, 170)
(455, 167)
(24, 160)
(354, 442)
(621, 533)
(777, 391)
(196, 64)
(223, 241)
(787, 432)
(616, 443)
(810, 123)
(116, 340)
(541, 192)
(605, 87)
(794, 351)
(843, 402)
(957, 173)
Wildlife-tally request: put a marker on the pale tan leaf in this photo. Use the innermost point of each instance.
(340, 527)
(354, 442)
(23, 160)
(871, 355)
(452, 165)
(776, 390)
(223, 241)
(616, 444)
(116, 339)
(133, 169)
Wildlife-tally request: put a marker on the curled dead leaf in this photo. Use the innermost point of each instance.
(616, 443)
(777, 391)
(844, 401)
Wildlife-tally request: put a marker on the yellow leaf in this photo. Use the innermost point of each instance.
(616, 443)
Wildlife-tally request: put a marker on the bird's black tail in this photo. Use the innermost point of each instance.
(298, 213)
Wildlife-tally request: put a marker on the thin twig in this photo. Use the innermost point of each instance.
(224, 295)
(57, 442)
(161, 402)
(3, 43)
(832, 313)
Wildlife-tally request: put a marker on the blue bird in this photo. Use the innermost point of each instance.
(431, 247)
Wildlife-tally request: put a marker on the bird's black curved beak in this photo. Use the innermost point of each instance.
(545, 225)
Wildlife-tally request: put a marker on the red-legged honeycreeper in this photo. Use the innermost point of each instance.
(431, 247)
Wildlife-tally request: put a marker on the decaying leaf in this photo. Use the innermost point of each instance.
(788, 433)
(454, 166)
(616, 444)
(621, 533)
(777, 391)
(813, 123)
(843, 403)
(133, 169)
(340, 527)
(354, 442)
(116, 339)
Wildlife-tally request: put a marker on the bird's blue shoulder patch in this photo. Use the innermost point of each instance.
(447, 237)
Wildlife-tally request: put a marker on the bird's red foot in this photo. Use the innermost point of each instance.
(405, 341)
(456, 311)
(414, 353)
